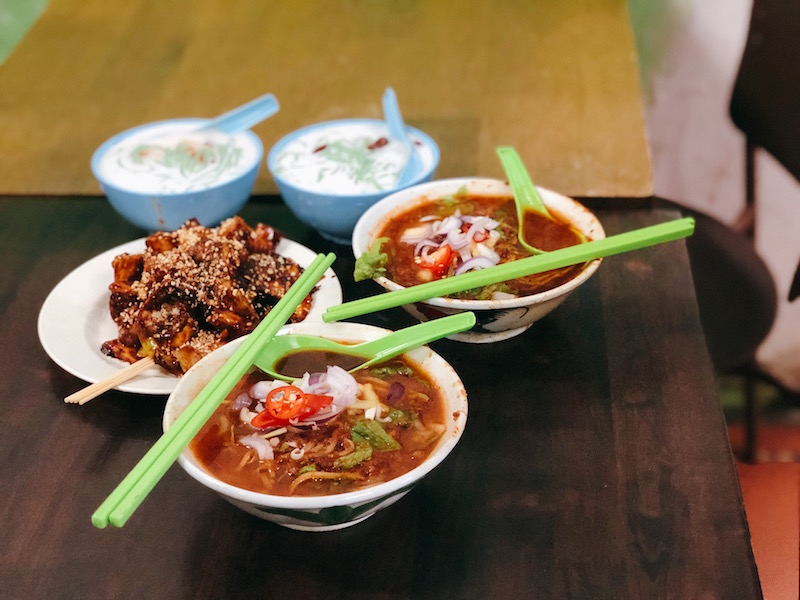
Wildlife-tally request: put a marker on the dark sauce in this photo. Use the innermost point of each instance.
(547, 233)
(315, 361)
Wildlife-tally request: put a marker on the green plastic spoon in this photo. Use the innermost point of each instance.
(376, 351)
(526, 196)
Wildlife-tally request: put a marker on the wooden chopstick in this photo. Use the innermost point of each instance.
(133, 489)
(615, 244)
(92, 391)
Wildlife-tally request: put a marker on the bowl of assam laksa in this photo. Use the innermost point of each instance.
(451, 226)
(330, 448)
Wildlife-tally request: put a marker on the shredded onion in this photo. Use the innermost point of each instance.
(262, 447)
(243, 400)
(261, 389)
(476, 262)
(334, 382)
(434, 233)
(412, 235)
(246, 415)
(396, 391)
(420, 247)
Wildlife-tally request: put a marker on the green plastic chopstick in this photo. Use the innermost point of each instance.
(128, 495)
(615, 244)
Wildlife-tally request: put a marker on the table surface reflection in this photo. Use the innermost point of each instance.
(595, 461)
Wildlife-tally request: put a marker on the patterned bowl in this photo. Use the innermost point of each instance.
(324, 513)
(496, 319)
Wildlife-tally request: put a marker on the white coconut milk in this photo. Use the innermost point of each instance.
(172, 158)
(346, 159)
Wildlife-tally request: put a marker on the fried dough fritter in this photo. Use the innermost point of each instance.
(196, 288)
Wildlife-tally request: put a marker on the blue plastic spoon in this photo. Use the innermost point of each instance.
(397, 131)
(244, 116)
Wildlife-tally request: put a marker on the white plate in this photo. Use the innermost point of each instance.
(75, 321)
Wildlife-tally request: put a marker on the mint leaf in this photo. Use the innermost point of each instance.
(374, 434)
(372, 263)
(362, 452)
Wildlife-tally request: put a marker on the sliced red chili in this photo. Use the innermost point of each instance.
(263, 420)
(438, 261)
(285, 402)
(314, 404)
(311, 404)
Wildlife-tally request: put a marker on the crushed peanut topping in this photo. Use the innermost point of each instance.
(196, 288)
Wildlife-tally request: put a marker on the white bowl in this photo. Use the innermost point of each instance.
(323, 513)
(496, 319)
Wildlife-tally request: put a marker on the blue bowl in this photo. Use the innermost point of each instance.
(159, 211)
(334, 215)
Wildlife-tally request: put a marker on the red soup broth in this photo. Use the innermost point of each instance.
(406, 269)
(313, 461)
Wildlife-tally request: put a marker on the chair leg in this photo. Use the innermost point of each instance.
(751, 414)
(746, 222)
(794, 290)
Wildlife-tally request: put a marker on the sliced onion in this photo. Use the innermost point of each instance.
(503, 296)
(396, 391)
(262, 388)
(262, 447)
(246, 415)
(477, 262)
(243, 400)
(484, 250)
(334, 382)
(412, 235)
(487, 223)
(447, 225)
(420, 247)
(450, 231)
(458, 239)
(344, 385)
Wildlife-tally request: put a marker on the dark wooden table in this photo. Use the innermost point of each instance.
(595, 462)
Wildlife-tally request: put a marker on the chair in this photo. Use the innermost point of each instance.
(766, 96)
(736, 294)
(764, 106)
(737, 302)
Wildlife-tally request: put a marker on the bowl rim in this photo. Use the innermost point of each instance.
(377, 214)
(346, 331)
(115, 139)
(290, 137)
